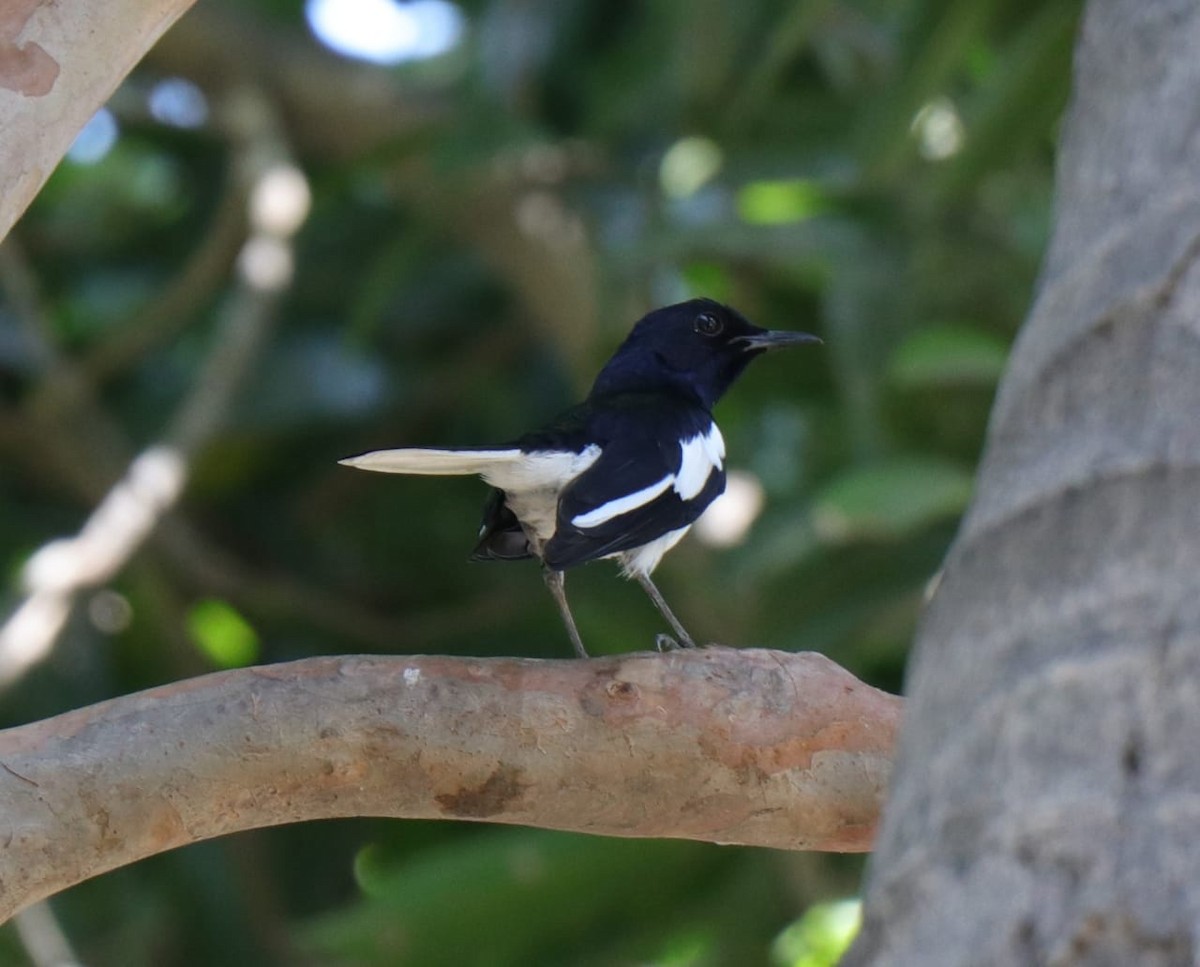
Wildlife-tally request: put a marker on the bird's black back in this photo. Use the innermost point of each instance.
(639, 436)
(655, 393)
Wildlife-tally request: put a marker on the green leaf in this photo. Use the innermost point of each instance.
(688, 165)
(780, 202)
(222, 634)
(708, 279)
(1021, 94)
(948, 356)
(820, 937)
(518, 893)
(890, 500)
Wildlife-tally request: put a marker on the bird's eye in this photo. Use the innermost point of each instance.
(708, 325)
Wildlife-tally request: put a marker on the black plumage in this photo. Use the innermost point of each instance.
(623, 474)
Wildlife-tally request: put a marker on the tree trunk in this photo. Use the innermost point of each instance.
(1047, 798)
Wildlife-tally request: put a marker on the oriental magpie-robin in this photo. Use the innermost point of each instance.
(626, 472)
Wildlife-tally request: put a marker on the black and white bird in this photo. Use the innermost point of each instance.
(625, 473)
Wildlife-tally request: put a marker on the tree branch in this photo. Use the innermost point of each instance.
(512, 208)
(277, 199)
(731, 746)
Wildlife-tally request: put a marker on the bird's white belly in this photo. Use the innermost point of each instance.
(644, 559)
(533, 484)
(537, 510)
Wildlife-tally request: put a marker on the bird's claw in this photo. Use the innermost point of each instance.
(667, 643)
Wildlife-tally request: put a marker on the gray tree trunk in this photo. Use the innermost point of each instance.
(1046, 805)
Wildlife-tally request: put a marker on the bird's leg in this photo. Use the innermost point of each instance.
(685, 640)
(665, 643)
(554, 581)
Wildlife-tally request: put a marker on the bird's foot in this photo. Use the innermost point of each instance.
(667, 643)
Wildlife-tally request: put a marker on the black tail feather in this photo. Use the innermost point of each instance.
(501, 538)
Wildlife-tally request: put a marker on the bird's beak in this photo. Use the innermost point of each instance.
(775, 339)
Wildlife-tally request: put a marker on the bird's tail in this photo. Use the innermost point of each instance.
(435, 462)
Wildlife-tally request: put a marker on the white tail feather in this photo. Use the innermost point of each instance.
(434, 462)
(542, 473)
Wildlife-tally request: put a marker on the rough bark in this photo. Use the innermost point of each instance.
(1047, 795)
(730, 746)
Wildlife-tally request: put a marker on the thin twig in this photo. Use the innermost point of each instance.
(43, 939)
(154, 480)
(178, 305)
(215, 571)
(23, 294)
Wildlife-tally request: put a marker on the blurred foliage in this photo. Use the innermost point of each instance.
(222, 634)
(879, 173)
(820, 937)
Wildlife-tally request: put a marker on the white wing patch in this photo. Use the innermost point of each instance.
(700, 456)
(714, 446)
(623, 505)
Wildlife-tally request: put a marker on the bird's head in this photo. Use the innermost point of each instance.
(697, 348)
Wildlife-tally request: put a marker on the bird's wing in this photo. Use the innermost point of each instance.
(655, 478)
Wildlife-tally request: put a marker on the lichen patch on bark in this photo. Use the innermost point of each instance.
(491, 798)
(25, 67)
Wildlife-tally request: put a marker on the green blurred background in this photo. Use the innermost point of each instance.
(494, 202)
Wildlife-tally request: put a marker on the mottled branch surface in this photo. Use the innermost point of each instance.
(1047, 795)
(730, 746)
(58, 65)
